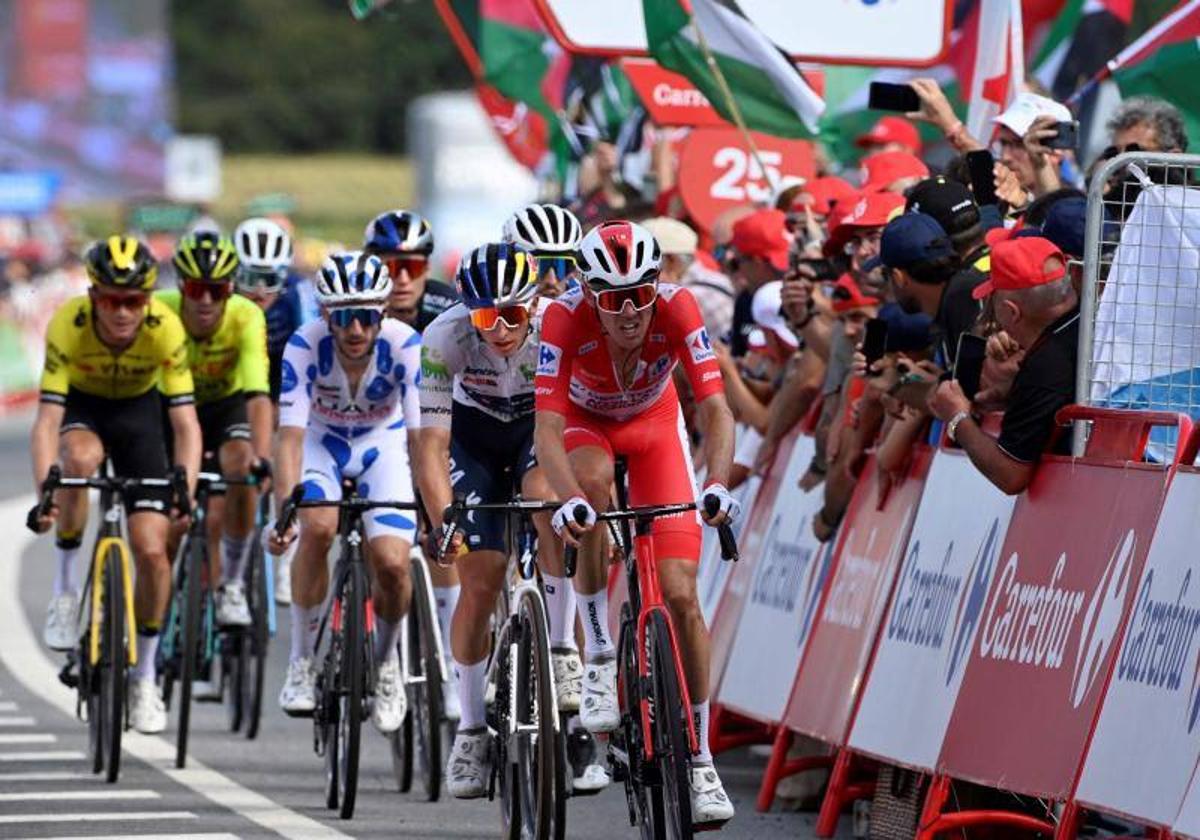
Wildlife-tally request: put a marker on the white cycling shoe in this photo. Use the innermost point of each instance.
(710, 804)
(469, 767)
(568, 679)
(594, 778)
(391, 701)
(62, 622)
(147, 712)
(298, 696)
(232, 608)
(598, 707)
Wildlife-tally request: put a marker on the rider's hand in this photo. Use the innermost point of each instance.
(262, 469)
(278, 543)
(457, 546)
(564, 520)
(40, 523)
(729, 509)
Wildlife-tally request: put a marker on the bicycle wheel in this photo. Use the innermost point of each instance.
(669, 722)
(505, 726)
(351, 691)
(256, 640)
(401, 742)
(89, 677)
(643, 793)
(426, 675)
(234, 647)
(189, 653)
(113, 667)
(540, 794)
(325, 718)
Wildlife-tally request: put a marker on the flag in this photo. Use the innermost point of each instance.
(997, 71)
(770, 93)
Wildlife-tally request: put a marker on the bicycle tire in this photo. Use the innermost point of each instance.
(113, 672)
(89, 681)
(643, 794)
(402, 751)
(197, 556)
(539, 790)
(671, 743)
(325, 718)
(428, 700)
(510, 805)
(233, 667)
(351, 691)
(256, 641)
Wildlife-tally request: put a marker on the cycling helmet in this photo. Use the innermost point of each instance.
(544, 229)
(121, 261)
(352, 278)
(206, 256)
(398, 232)
(616, 254)
(497, 274)
(264, 251)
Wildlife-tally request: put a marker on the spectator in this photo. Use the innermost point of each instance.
(602, 192)
(1012, 127)
(892, 172)
(1037, 307)
(761, 245)
(890, 134)
(1151, 124)
(712, 289)
(751, 382)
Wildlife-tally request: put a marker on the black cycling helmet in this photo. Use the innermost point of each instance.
(206, 256)
(124, 262)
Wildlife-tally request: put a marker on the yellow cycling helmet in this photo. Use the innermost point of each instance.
(206, 256)
(121, 261)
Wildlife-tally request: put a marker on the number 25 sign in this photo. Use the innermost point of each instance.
(718, 171)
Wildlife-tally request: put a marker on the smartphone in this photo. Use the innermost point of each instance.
(1066, 138)
(982, 168)
(968, 363)
(875, 340)
(888, 96)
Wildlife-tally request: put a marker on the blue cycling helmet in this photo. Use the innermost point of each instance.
(398, 232)
(497, 274)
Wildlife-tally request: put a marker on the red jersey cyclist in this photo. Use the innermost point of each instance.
(604, 388)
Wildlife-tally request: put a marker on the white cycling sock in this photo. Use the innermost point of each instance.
(593, 612)
(472, 681)
(64, 575)
(147, 650)
(233, 557)
(387, 637)
(446, 599)
(700, 717)
(305, 621)
(560, 610)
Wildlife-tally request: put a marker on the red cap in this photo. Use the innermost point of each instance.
(847, 295)
(763, 234)
(871, 210)
(822, 193)
(881, 170)
(1021, 263)
(891, 130)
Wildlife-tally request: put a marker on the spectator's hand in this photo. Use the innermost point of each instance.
(765, 455)
(948, 399)
(1041, 130)
(822, 530)
(796, 295)
(1001, 346)
(725, 360)
(1008, 187)
(935, 107)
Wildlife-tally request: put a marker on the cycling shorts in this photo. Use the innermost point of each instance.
(132, 432)
(378, 462)
(655, 447)
(221, 421)
(488, 459)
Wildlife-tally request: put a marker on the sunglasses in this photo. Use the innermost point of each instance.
(1112, 151)
(343, 318)
(113, 302)
(490, 317)
(415, 266)
(264, 279)
(613, 301)
(197, 289)
(563, 266)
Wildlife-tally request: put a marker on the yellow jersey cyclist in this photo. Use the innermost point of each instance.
(227, 352)
(112, 356)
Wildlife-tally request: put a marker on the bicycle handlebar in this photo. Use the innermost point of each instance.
(571, 552)
(296, 500)
(176, 482)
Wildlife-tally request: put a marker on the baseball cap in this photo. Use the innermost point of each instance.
(1027, 107)
(891, 130)
(1019, 262)
(823, 193)
(911, 238)
(882, 169)
(871, 210)
(1065, 223)
(946, 200)
(908, 332)
(763, 234)
(766, 310)
(674, 237)
(847, 295)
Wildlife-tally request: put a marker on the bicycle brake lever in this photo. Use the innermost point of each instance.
(571, 552)
(729, 549)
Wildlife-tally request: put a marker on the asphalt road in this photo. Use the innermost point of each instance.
(235, 787)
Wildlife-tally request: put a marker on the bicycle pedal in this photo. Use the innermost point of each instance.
(298, 714)
(67, 675)
(714, 825)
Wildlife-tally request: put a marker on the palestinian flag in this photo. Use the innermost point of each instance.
(770, 93)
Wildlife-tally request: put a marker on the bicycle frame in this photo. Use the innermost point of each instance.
(111, 535)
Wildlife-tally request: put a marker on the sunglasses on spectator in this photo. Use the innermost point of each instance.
(563, 265)
(489, 317)
(416, 266)
(264, 279)
(114, 301)
(613, 301)
(343, 318)
(197, 289)
(1112, 151)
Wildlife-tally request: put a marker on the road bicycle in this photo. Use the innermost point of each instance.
(348, 675)
(107, 648)
(245, 659)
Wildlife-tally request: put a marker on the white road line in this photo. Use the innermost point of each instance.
(78, 795)
(42, 755)
(17, 721)
(7, 706)
(28, 738)
(106, 816)
(45, 776)
(21, 654)
(215, 836)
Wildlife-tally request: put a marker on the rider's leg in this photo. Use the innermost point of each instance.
(310, 576)
(678, 579)
(482, 576)
(392, 592)
(81, 454)
(593, 468)
(446, 592)
(152, 589)
(559, 592)
(236, 457)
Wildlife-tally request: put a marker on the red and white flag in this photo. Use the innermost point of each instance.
(998, 71)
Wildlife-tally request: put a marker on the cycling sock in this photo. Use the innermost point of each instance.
(233, 557)
(560, 609)
(700, 717)
(387, 637)
(67, 549)
(471, 687)
(446, 598)
(304, 630)
(593, 612)
(147, 650)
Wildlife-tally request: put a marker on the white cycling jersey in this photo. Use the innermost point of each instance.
(458, 366)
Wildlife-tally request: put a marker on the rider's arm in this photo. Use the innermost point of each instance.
(188, 446)
(294, 402)
(262, 419)
(556, 356)
(288, 454)
(433, 471)
(44, 439)
(254, 368)
(55, 384)
(552, 455)
(432, 460)
(716, 422)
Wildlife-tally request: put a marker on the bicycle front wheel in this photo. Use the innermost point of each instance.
(541, 794)
(196, 559)
(351, 689)
(426, 676)
(256, 640)
(671, 744)
(113, 665)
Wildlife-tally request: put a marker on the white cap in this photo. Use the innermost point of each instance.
(766, 309)
(674, 237)
(784, 184)
(1027, 107)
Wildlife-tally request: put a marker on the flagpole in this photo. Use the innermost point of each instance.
(731, 102)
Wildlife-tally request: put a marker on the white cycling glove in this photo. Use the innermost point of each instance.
(566, 514)
(729, 505)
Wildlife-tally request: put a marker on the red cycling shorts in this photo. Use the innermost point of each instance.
(656, 451)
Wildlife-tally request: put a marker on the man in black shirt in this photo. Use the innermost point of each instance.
(1036, 305)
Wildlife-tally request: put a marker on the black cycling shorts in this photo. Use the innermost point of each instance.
(488, 459)
(221, 421)
(133, 436)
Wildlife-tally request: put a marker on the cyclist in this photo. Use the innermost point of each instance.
(227, 351)
(112, 356)
(604, 388)
(552, 234)
(264, 275)
(349, 392)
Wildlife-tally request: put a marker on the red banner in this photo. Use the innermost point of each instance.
(669, 98)
(522, 129)
(50, 55)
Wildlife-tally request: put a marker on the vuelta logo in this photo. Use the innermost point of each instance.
(1102, 621)
(970, 602)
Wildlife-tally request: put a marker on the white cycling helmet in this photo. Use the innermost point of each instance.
(616, 254)
(264, 252)
(544, 229)
(352, 278)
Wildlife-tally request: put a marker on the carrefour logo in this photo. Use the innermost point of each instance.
(1029, 622)
(1159, 642)
(548, 359)
(1102, 621)
(970, 602)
